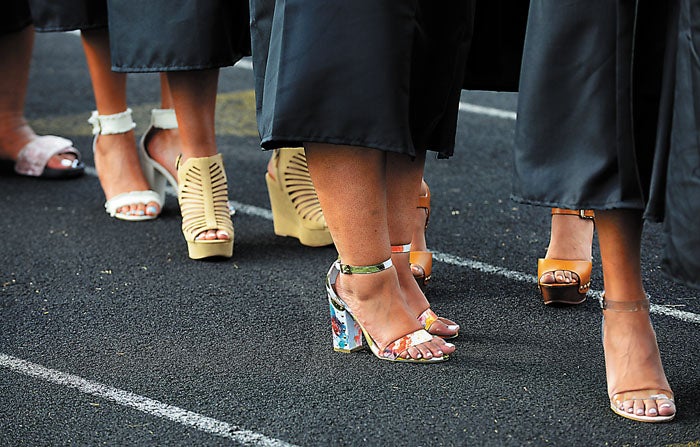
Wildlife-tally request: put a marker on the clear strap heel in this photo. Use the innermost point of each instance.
(663, 397)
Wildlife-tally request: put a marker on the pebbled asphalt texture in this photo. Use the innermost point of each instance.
(247, 341)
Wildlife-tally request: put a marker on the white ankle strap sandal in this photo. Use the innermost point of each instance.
(116, 124)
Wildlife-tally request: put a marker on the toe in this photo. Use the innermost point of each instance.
(221, 235)
(666, 407)
(639, 407)
(152, 209)
(650, 408)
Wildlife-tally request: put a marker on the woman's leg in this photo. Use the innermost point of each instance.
(402, 195)
(116, 157)
(194, 100)
(351, 184)
(163, 145)
(15, 132)
(632, 357)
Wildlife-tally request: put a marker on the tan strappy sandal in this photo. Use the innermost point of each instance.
(296, 211)
(203, 198)
(566, 293)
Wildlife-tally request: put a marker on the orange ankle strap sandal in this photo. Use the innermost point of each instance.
(423, 259)
(566, 293)
(296, 211)
(348, 332)
(663, 397)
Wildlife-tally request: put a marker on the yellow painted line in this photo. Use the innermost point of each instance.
(235, 116)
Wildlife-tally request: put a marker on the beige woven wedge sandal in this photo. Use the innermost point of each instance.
(203, 198)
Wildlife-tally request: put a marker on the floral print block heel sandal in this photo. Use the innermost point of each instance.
(203, 198)
(427, 318)
(565, 293)
(348, 332)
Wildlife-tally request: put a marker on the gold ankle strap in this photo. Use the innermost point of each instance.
(624, 306)
(583, 214)
(365, 269)
(406, 248)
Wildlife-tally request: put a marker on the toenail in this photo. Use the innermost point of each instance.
(439, 353)
(666, 406)
(652, 411)
(453, 327)
(140, 213)
(640, 411)
(429, 354)
(450, 345)
(151, 210)
(630, 410)
(418, 356)
(66, 162)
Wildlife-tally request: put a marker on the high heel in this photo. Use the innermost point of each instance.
(618, 398)
(566, 293)
(116, 124)
(347, 331)
(156, 174)
(423, 259)
(427, 318)
(296, 211)
(203, 195)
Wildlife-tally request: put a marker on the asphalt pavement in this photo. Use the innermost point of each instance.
(111, 335)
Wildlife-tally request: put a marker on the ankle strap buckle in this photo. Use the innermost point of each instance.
(365, 269)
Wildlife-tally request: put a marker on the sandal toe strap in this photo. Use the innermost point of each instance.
(130, 198)
(581, 268)
(34, 156)
(393, 350)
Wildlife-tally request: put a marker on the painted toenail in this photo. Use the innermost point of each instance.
(140, 213)
(640, 411)
(151, 210)
(450, 345)
(666, 406)
(419, 356)
(66, 162)
(453, 327)
(630, 410)
(652, 411)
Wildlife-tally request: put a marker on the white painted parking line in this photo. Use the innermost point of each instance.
(141, 403)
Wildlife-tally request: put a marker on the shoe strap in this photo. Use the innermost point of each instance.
(406, 248)
(111, 124)
(365, 269)
(583, 214)
(624, 306)
(424, 202)
(163, 118)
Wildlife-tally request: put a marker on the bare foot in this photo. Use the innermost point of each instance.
(379, 305)
(119, 170)
(633, 364)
